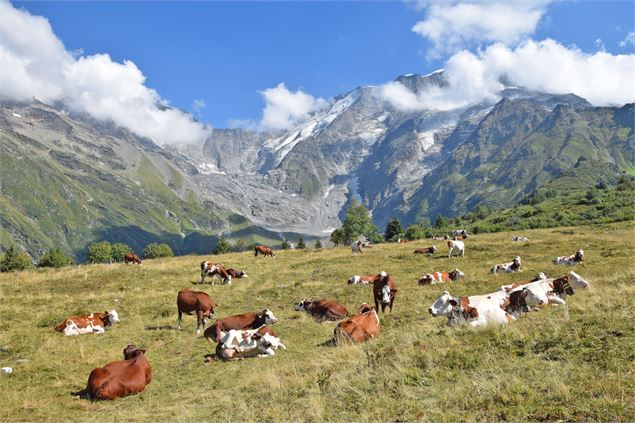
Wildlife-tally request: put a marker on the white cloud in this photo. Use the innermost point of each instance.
(285, 108)
(198, 105)
(547, 66)
(35, 63)
(450, 26)
(629, 39)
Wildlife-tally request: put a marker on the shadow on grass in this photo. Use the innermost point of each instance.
(162, 327)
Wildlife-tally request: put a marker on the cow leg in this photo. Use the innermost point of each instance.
(463, 252)
(178, 324)
(450, 253)
(202, 277)
(200, 320)
(391, 301)
(376, 304)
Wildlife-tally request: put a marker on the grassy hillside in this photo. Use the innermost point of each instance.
(571, 363)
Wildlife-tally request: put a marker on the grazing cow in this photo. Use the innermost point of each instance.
(238, 344)
(322, 310)
(441, 277)
(426, 250)
(264, 250)
(458, 245)
(570, 260)
(210, 269)
(384, 291)
(189, 302)
(120, 378)
(460, 233)
(356, 246)
(511, 267)
(93, 322)
(552, 291)
(239, 322)
(359, 328)
(478, 310)
(131, 258)
(520, 238)
(361, 280)
(402, 241)
(237, 273)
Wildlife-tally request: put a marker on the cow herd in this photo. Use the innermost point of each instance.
(250, 334)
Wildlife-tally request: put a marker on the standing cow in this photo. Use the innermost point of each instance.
(456, 245)
(384, 291)
(264, 250)
(190, 302)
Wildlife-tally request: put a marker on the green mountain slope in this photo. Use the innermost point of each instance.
(520, 146)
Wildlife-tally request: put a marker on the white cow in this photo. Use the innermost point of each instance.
(554, 291)
(478, 310)
(361, 279)
(458, 245)
(237, 344)
(511, 267)
(577, 258)
(520, 238)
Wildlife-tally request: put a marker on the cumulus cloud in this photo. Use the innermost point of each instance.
(450, 26)
(35, 63)
(546, 66)
(285, 108)
(629, 39)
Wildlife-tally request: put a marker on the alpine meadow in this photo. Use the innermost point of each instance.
(327, 211)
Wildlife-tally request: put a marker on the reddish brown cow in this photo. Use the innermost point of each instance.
(237, 273)
(131, 258)
(384, 291)
(358, 328)
(102, 320)
(240, 322)
(120, 378)
(402, 241)
(426, 250)
(459, 238)
(323, 309)
(264, 250)
(189, 302)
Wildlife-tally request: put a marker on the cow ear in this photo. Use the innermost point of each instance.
(453, 302)
(143, 351)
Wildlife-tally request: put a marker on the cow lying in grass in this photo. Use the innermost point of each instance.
(511, 267)
(90, 323)
(441, 277)
(359, 328)
(323, 310)
(361, 279)
(220, 327)
(238, 344)
(577, 258)
(427, 250)
(554, 290)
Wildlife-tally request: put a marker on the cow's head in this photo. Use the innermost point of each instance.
(434, 249)
(540, 276)
(456, 273)
(442, 305)
(270, 319)
(132, 351)
(354, 279)
(464, 233)
(113, 316)
(301, 306)
(533, 297)
(385, 294)
(242, 274)
(579, 255)
(425, 280)
(517, 261)
(212, 309)
(383, 275)
(577, 281)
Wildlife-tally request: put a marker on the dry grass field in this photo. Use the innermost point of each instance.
(567, 363)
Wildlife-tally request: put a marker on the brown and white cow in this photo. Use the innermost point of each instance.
(426, 250)
(511, 267)
(237, 344)
(402, 241)
(577, 258)
(441, 277)
(240, 322)
(190, 302)
(477, 310)
(120, 378)
(213, 270)
(361, 279)
(554, 290)
(131, 258)
(384, 291)
(359, 328)
(88, 323)
(237, 273)
(460, 234)
(323, 310)
(264, 250)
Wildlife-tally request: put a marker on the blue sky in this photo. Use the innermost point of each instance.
(226, 53)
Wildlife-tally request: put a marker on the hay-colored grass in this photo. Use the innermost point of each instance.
(572, 363)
